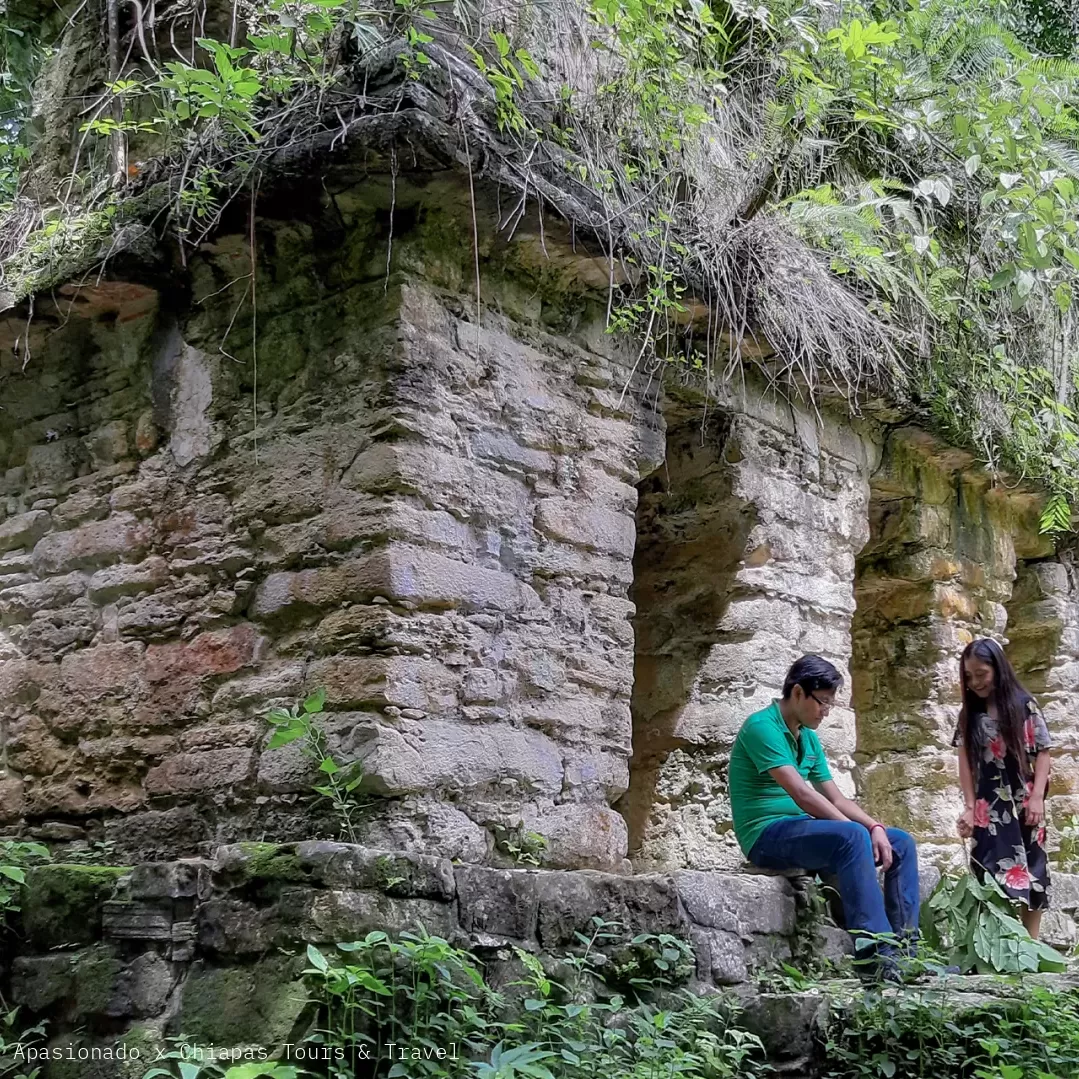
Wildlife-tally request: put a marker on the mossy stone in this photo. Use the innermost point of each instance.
(61, 904)
(257, 1004)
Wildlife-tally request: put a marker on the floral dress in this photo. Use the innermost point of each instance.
(1004, 845)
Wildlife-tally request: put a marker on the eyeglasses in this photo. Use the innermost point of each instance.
(825, 706)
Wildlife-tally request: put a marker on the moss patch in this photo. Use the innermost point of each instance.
(256, 1004)
(61, 904)
(271, 862)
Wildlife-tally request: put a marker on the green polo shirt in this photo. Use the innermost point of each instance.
(757, 800)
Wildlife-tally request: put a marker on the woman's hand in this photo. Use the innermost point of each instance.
(965, 823)
(1034, 811)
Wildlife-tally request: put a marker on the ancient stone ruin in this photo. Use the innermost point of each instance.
(540, 582)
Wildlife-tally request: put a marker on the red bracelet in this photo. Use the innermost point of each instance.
(881, 826)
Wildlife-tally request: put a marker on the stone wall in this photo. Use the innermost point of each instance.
(430, 518)
(215, 948)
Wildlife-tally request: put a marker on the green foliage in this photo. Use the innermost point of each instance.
(338, 782)
(1067, 855)
(184, 1061)
(1034, 1036)
(15, 858)
(975, 926)
(21, 57)
(15, 1040)
(420, 991)
(525, 847)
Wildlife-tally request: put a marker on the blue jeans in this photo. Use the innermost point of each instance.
(844, 848)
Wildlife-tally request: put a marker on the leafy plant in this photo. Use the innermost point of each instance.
(339, 782)
(15, 858)
(184, 1060)
(1067, 855)
(975, 926)
(1032, 1036)
(421, 991)
(524, 846)
(14, 1042)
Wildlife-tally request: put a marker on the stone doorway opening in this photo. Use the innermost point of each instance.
(692, 534)
(935, 573)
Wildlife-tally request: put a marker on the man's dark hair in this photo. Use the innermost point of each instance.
(811, 673)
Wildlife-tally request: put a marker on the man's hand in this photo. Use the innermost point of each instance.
(1034, 812)
(882, 849)
(965, 824)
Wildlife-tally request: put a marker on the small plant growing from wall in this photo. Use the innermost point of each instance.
(338, 782)
(525, 847)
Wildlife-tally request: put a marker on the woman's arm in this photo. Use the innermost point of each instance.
(1034, 810)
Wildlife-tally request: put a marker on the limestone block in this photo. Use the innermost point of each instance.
(404, 681)
(594, 776)
(192, 772)
(342, 865)
(504, 450)
(452, 756)
(38, 981)
(108, 444)
(568, 902)
(243, 1005)
(149, 919)
(498, 904)
(23, 530)
(92, 673)
(117, 538)
(738, 904)
(12, 800)
(594, 528)
(721, 956)
(21, 602)
(63, 904)
(345, 914)
(169, 880)
(581, 836)
(128, 580)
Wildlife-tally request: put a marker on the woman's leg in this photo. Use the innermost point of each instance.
(1032, 919)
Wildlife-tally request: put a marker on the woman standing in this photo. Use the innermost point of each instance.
(1004, 771)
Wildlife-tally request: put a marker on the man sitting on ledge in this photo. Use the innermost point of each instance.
(788, 812)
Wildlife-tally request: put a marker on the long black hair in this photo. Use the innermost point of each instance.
(1009, 696)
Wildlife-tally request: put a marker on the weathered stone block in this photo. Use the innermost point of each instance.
(402, 681)
(413, 876)
(210, 770)
(119, 537)
(94, 672)
(250, 1005)
(721, 956)
(445, 755)
(582, 836)
(169, 880)
(345, 915)
(39, 981)
(738, 904)
(497, 904)
(137, 919)
(24, 529)
(587, 526)
(128, 580)
(62, 904)
(643, 904)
